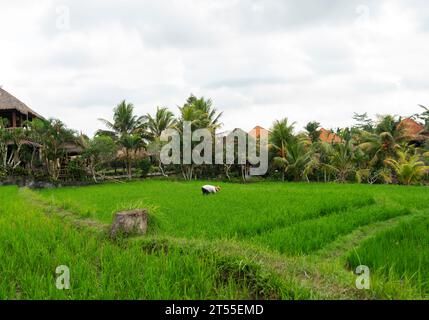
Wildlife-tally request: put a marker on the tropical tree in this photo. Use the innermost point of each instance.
(127, 130)
(210, 118)
(200, 114)
(313, 131)
(125, 122)
(281, 135)
(163, 119)
(131, 145)
(341, 161)
(409, 168)
(363, 122)
(98, 152)
(4, 139)
(301, 159)
(384, 142)
(52, 135)
(424, 116)
(17, 138)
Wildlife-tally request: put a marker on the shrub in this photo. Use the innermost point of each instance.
(76, 169)
(145, 166)
(3, 174)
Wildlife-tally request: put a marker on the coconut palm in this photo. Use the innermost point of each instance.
(409, 169)
(131, 144)
(341, 161)
(209, 117)
(424, 116)
(126, 129)
(384, 142)
(163, 119)
(200, 114)
(301, 159)
(281, 135)
(124, 121)
(313, 131)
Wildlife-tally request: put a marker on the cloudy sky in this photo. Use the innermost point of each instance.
(258, 60)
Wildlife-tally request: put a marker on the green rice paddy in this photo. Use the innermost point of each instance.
(251, 241)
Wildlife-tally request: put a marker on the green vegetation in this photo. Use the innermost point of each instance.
(34, 244)
(388, 150)
(399, 255)
(295, 240)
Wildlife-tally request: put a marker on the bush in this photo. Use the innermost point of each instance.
(18, 172)
(76, 170)
(3, 174)
(145, 165)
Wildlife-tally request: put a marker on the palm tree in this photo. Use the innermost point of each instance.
(313, 131)
(342, 159)
(127, 130)
(131, 144)
(384, 143)
(409, 169)
(281, 135)
(124, 121)
(210, 118)
(201, 114)
(301, 159)
(424, 116)
(163, 119)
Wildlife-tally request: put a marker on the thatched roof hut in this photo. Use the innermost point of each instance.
(15, 110)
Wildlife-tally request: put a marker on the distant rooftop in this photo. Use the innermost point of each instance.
(328, 136)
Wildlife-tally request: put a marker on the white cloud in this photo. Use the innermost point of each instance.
(257, 60)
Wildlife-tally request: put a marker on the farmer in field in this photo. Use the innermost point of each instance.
(208, 189)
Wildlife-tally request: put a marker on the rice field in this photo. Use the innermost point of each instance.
(265, 240)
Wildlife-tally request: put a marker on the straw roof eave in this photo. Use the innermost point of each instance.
(9, 102)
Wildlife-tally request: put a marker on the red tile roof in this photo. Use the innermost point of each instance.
(410, 127)
(256, 132)
(328, 136)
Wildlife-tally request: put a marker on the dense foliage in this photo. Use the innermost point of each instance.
(384, 150)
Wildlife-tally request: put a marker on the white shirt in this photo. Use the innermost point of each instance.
(209, 188)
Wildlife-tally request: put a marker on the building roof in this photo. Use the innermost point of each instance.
(328, 136)
(256, 132)
(9, 102)
(411, 127)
